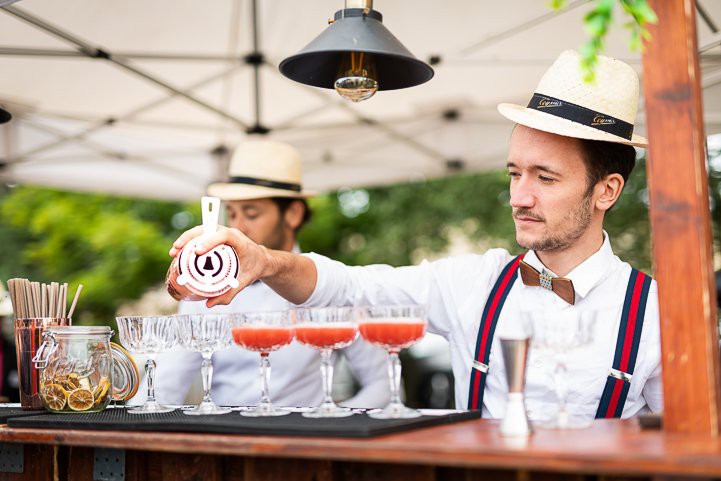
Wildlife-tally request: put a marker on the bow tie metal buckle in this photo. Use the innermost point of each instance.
(546, 280)
(560, 286)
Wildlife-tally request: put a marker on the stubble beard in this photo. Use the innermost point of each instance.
(578, 219)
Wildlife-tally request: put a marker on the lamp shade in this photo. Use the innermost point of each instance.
(356, 30)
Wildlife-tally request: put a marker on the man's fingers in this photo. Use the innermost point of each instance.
(221, 236)
(184, 238)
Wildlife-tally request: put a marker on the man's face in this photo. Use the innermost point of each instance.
(261, 221)
(552, 207)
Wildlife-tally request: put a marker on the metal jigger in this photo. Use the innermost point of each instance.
(515, 354)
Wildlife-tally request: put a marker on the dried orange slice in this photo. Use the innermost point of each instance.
(55, 397)
(81, 400)
(73, 380)
(101, 391)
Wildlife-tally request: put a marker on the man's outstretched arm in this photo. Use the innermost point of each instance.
(290, 275)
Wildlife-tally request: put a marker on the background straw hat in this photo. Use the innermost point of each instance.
(260, 169)
(596, 111)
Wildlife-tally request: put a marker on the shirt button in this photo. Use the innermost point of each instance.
(537, 363)
(529, 413)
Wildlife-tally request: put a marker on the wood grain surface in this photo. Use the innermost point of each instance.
(680, 221)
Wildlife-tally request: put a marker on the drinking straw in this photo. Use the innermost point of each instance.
(75, 301)
(65, 299)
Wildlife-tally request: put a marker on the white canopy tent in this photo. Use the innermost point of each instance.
(146, 98)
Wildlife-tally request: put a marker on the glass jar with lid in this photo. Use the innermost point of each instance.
(76, 366)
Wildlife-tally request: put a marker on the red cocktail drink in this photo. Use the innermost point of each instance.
(393, 333)
(394, 328)
(263, 339)
(326, 329)
(326, 336)
(263, 332)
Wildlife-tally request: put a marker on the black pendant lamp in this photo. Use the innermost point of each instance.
(357, 56)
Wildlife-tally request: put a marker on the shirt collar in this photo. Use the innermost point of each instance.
(588, 273)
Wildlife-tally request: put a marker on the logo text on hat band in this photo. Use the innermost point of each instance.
(582, 115)
(265, 183)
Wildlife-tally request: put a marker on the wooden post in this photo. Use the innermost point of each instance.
(680, 221)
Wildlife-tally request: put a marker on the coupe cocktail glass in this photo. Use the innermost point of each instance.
(393, 328)
(326, 329)
(561, 333)
(205, 333)
(263, 332)
(149, 336)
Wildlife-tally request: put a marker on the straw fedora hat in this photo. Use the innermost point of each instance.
(565, 104)
(260, 169)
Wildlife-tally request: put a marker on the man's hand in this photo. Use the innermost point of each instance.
(253, 259)
(290, 275)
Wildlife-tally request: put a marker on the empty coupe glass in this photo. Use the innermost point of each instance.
(205, 333)
(148, 336)
(561, 333)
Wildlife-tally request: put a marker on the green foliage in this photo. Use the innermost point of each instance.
(115, 247)
(597, 22)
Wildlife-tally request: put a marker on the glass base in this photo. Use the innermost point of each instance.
(207, 408)
(564, 421)
(395, 411)
(263, 410)
(328, 410)
(150, 408)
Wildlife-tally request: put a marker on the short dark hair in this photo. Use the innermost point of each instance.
(284, 203)
(606, 158)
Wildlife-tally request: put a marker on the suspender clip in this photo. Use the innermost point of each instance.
(623, 376)
(478, 365)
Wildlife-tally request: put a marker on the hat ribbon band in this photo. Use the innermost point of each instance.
(265, 183)
(581, 115)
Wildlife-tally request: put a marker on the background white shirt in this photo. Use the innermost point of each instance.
(295, 378)
(456, 290)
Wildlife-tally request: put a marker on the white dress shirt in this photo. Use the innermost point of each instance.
(456, 290)
(295, 378)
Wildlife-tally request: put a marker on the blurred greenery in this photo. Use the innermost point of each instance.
(117, 247)
(600, 18)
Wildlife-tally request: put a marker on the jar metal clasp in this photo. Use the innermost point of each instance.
(47, 348)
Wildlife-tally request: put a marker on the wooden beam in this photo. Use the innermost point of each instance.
(680, 221)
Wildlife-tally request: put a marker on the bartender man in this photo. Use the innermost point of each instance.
(570, 154)
(264, 200)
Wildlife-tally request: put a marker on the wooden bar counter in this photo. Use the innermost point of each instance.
(471, 450)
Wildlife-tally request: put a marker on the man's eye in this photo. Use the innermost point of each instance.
(513, 174)
(545, 179)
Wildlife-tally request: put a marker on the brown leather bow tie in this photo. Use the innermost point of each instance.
(562, 286)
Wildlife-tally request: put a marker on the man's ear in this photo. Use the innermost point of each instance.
(293, 216)
(608, 191)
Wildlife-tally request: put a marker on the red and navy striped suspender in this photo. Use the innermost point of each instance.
(629, 338)
(494, 304)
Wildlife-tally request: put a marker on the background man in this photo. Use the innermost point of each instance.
(569, 158)
(264, 200)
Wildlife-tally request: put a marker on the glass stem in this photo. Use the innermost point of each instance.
(150, 376)
(206, 370)
(560, 383)
(326, 371)
(394, 376)
(264, 378)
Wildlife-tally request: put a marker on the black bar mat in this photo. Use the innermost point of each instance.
(13, 412)
(356, 426)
